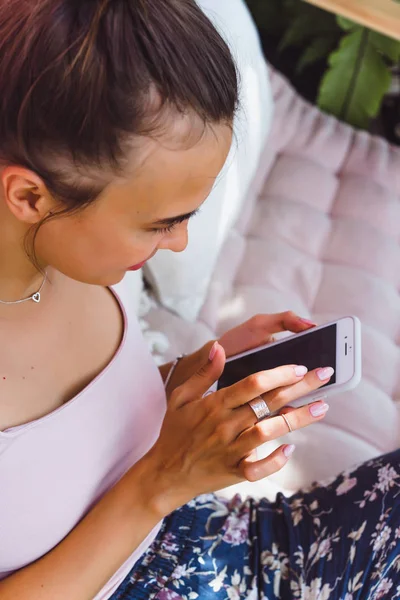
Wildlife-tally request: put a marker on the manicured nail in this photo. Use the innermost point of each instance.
(300, 370)
(325, 373)
(288, 450)
(307, 322)
(213, 352)
(319, 409)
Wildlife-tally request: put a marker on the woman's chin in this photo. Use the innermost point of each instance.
(108, 280)
(104, 279)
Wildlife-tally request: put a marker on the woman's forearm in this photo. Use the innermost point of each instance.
(91, 554)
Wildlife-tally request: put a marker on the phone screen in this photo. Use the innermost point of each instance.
(313, 350)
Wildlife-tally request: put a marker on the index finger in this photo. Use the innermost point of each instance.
(262, 382)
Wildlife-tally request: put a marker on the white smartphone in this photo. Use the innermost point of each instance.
(336, 344)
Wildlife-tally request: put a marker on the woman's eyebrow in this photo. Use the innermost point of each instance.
(178, 219)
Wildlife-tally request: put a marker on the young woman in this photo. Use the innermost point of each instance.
(116, 118)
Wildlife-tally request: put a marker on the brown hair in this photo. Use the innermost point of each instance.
(76, 79)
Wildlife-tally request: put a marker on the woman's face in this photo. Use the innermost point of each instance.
(136, 216)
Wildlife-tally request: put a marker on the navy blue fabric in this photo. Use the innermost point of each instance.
(338, 540)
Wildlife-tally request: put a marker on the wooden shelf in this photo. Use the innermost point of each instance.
(381, 15)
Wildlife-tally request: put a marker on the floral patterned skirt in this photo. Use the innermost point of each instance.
(339, 540)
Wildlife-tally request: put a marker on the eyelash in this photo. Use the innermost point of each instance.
(170, 228)
(165, 230)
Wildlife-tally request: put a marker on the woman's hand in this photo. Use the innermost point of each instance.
(257, 331)
(207, 443)
(260, 329)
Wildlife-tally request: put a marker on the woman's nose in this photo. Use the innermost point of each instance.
(176, 240)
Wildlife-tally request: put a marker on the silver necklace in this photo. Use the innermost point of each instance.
(35, 297)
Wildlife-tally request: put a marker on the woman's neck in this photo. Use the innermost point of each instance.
(19, 278)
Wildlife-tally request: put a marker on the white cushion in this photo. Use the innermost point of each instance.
(181, 280)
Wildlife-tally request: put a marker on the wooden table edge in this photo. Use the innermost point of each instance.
(369, 16)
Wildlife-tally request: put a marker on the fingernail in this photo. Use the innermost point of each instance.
(288, 450)
(325, 373)
(319, 409)
(300, 370)
(213, 352)
(307, 322)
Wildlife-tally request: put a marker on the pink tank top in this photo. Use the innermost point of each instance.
(54, 469)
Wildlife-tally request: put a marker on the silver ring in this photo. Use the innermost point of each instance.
(260, 408)
(284, 417)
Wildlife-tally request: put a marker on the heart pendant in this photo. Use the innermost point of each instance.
(36, 298)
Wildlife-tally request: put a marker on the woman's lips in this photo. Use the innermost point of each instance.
(137, 267)
(140, 265)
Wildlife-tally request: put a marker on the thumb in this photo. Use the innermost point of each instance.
(213, 364)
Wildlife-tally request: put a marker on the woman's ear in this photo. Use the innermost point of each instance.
(25, 194)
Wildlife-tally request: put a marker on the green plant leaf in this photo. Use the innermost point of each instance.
(294, 8)
(346, 24)
(306, 22)
(317, 50)
(298, 31)
(387, 46)
(354, 86)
